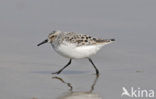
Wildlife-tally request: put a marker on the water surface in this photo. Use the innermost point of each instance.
(25, 69)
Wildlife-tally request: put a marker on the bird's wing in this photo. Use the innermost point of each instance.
(82, 39)
(79, 39)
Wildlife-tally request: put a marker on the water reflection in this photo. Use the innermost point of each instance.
(79, 94)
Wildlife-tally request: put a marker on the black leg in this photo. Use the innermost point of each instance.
(97, 71)
(58, 72)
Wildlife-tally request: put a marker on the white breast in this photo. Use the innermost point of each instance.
(71, 51)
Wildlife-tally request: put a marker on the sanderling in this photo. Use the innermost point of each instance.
(75, 46)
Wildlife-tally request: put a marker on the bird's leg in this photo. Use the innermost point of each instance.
(97, 71)
(58, 72)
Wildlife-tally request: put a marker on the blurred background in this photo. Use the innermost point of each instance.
(25, 68)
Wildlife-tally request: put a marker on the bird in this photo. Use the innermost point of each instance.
(73, 45)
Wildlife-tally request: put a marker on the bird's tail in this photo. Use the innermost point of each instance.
(104, 41)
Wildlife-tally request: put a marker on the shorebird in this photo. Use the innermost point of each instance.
(75, 46)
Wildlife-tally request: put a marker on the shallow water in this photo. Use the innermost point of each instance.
(25, 69)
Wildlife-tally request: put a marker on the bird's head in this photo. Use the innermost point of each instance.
(51, 37)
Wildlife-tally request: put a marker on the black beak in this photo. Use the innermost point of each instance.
(45, 41)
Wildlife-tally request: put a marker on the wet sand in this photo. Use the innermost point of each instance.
(25, 69)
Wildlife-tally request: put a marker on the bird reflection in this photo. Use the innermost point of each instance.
(79, 94)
